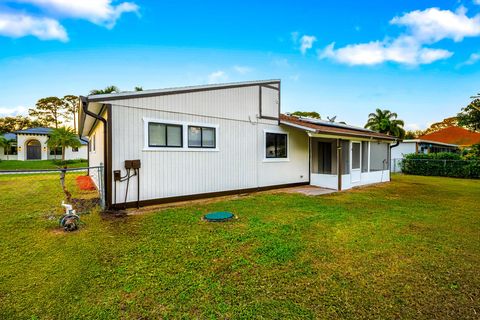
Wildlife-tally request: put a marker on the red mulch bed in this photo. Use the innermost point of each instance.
(85, 183)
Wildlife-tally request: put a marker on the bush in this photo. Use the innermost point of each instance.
(440, 164)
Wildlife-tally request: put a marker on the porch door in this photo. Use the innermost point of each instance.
(356, 162)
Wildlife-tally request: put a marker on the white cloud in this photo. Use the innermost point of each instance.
(432, 25)
(476, 2)
(295, 77)
(101, 12)
(281, 62)
(11, 112)
(242, 69)
(217, 77)
(20, 25)
(306, 42)
(401, 50)
(424, 28)
(474, 58)
(412, 126)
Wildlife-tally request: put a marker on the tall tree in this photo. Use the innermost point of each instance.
(385, 121)
(445, 123)
(49, 111)
(11, 124)
(109, 89)
(71, 104)
(308, 114)
(469, 117)
(63, 137)
(414, 134)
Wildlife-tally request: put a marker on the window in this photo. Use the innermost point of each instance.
(275, 145)
(201, 137)
(74, 149)
(91, 144)
(10, 150)
(164, 135)
(56, 151)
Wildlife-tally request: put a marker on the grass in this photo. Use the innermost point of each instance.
(407, 249)
(40, 164)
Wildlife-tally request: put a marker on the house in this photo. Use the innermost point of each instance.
(454, 135)
(421, 146)
(31, 144)
(176, 144)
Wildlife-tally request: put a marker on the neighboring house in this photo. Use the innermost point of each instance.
(418, 146)
(210, 140)
(421, 146)
(31, 144)
(454, 135)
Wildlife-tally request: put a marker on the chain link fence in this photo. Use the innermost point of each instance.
(437, 167)
(43, 191)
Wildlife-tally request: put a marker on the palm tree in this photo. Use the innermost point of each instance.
(138, 88)
(63, 137)
(385, 121)
(109, 89)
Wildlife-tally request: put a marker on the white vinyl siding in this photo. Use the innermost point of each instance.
(236, 162)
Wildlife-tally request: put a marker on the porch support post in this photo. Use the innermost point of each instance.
(339, 164)
(309, 159)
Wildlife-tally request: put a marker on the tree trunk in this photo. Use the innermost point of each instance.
(63, 154)
(74, 122)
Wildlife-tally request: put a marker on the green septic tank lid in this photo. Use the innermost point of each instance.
(218, 216)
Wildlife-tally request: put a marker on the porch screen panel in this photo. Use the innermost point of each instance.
(345, 156)
(356, 155)
(325, 157)
(364, 156)
(378, 156)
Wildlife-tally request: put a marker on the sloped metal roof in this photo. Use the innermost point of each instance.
(331, 128)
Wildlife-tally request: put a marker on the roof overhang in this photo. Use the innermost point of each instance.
(87, 123)
(430, 142)
(316, 133)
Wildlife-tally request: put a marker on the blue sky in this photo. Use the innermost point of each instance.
(345, 58)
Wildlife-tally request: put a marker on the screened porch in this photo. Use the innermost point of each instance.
(342, 164)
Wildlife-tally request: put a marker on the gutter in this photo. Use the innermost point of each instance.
(397, 142)
(106, 175)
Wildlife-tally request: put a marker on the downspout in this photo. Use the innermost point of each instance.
(88, 151)
(397, 142)
(105, 138)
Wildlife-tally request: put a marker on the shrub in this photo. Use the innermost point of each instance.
(440, 164)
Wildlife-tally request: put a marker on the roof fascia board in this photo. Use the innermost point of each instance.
(122, 96)
(297, 126)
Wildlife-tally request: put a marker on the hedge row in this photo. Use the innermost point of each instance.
(440, 164)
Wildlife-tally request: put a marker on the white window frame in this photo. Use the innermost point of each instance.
(264, 146)
(91, 144)
(184, 125)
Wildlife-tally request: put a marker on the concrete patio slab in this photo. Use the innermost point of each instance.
(307, 190)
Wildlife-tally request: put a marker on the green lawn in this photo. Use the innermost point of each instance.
(406, 249)
(40, 164)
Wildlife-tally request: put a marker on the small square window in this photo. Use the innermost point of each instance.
(275, 145)
(201, 137)
(74, 149)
